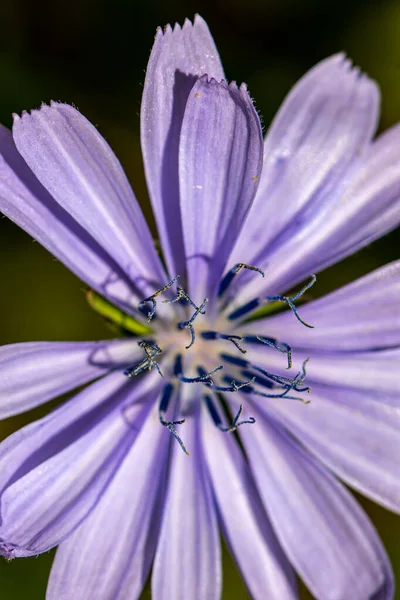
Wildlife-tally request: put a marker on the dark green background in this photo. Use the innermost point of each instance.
(93, 54)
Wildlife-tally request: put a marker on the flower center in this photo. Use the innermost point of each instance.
(186, 347)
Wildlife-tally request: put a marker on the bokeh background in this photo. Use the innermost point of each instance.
(93, 53)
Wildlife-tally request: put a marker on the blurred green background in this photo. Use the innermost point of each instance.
(93, 54)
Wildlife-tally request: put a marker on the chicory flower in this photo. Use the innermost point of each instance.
(106, 475)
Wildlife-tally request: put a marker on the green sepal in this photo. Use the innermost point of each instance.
(110, 312)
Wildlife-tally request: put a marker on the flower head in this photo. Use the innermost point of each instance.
(206, 365)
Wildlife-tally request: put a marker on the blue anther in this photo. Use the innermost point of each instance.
(213, 411)
(166, 397)
(227, 279)
(253, 304)
(178, 365)
(263, 381)
(152, 298)
(235, 360)
(243, 310)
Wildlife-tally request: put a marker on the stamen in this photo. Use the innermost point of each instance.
(148, 363)
(178, 365)
(253, 304)
(286, 349)
(162, 409)
(189, 324)
(284, 394)
(151, 298)
(214, 335)
(291, 300)
(233, 387)
(204, 377)
(227, 280)
(218, 421)
(287, 381)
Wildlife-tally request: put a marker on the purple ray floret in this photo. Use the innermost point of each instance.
(191, 428)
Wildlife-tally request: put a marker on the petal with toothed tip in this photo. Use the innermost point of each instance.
(312, 151)
(26, 202)
(77, 166)
(220, 159)
(178, 58)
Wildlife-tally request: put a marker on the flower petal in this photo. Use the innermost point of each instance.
(355, 433)
(79, 169)
(377, 371)
(178, 58)
(246, 526)
(368, 209)
(325, 534)
(220, 158)
(26, 202)
(188, 544)
(311, 153)
(118, 538)
(40, 507)
(363, 315)
(34, 372)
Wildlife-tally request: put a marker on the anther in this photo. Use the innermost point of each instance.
(218, 421)
(235, 360)
(227, 280)
(151, 350)
(243, 310)
(152, 298)
(162, 409)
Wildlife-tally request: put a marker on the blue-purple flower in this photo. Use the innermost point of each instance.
(241, 222)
